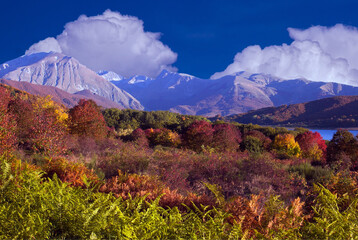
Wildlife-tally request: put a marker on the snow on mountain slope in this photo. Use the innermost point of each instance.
(110, 76)
(66, 73)
(236, 93)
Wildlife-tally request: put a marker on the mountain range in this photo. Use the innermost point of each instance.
(176, 92)
(228, 95)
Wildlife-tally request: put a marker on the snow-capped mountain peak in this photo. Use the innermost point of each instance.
(110, 76)
(139, 79)
(66, 73)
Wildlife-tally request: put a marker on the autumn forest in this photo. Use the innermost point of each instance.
(93, 173)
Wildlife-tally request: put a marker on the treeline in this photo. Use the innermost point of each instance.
(133, 119)
(85, 173)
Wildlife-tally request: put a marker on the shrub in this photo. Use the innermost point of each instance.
(163, 137)
(75, 174)
(128, 157)
(133, 185)
(253, 144)
(313, 174)
(139, 137)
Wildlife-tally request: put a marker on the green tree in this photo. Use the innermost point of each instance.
(342, 150)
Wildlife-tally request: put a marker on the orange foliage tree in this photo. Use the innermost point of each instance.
(86, 119)
(285, 143)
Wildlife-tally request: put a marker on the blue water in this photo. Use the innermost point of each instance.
(328, 134)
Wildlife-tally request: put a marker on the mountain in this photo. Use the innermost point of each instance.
(237, 93)
(66, 73)
(333, 112)
(110, 76)
(176, 92)
(67, 99)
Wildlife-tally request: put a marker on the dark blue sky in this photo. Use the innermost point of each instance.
(206, 34)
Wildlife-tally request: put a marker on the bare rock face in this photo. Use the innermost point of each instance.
(66, 73)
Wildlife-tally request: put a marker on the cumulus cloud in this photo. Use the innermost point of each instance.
(48, 45)
(111, 41)
(328, 54)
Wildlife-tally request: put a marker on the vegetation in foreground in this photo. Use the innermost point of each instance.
(83, 173)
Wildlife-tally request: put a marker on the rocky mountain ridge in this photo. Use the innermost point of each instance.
(66, 73)
(176, 92)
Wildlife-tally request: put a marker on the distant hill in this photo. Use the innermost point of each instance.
(333, 112)
(67, 99)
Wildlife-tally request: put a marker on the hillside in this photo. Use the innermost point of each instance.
(334, 112)
(67, 99)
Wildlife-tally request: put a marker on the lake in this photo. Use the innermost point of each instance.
(327, 134)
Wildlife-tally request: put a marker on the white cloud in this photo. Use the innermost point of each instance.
(114, 42)
(48, 45)
(317, 53)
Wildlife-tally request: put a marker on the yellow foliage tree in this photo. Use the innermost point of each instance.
(286, 143)
(50, 128)
(47, 103)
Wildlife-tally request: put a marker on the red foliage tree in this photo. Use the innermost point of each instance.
(24, 116)
(226, 137)
(199, 133)
(7, 124)
(312, 146)
(47, 134)
(86, 119)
